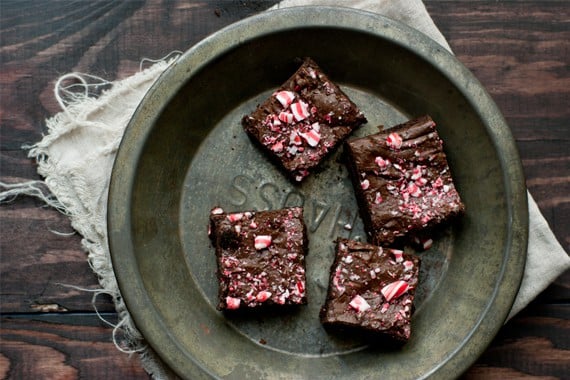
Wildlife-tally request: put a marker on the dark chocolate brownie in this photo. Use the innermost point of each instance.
(303, 121)
(402, 181)
(371, 289)
(260, 257)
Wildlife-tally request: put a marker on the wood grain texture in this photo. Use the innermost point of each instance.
(519, 50)
(43, 350)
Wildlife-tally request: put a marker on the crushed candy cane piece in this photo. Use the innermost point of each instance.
(300, 287)
(217, 211)
(286, 117)
(382, 163)
(365, 184)
(414, 190)
(408, 265)
(235, 217)
(394, 140)
(285, 97)
(394, 289)
(300, 110)
(359, 304)
(316, 127)
(312, 137)
(262, 241)
(294, 138)
(277, 147)
(263, 296)
(232, 303)
(378, 198)
(398, 255)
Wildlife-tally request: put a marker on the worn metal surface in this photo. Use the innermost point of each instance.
(184, 152)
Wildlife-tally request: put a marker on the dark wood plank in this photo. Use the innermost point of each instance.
(43, 350)
(519, 51)
(535, 343)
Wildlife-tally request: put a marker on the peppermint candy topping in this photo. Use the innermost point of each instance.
(300, 287)
(312, 137)
(286, 117)
(232, 303)
(416, 173)
(263, 296)
(300, 110)
(414, 190)
(262, 242)
(408, 265)
(217, 211)
(294, 138)
(378, 198)
(382, 163)
(359, 304)
(398, 255)
(395, 289)
(285, 98)
(277, 147)
(235, 217)
(394, 140)
(365, 184)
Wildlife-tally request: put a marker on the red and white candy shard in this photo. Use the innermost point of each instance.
(365, 184)
(398, 255)
(294, 138)
(300, 110)
(414, 190)
(235, 217)
(416, 172)
(217, 211)
(277, 147)
(285, 97)
(232, 303)
(300, 287)
(312, 137)
(286, 117)
(359, 304)
(378, 198)
(394, 140)
(408, 265)
(382, 163)
(262, 241)
(263, 296)
(395, 289)
(427, 244)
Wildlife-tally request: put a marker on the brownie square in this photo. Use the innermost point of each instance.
(260, 257)
(371, 289)
(402, 181)
(303, 121)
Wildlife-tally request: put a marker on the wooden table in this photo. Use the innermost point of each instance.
(520, 50)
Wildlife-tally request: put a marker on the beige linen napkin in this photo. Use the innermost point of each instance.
(77, 154)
